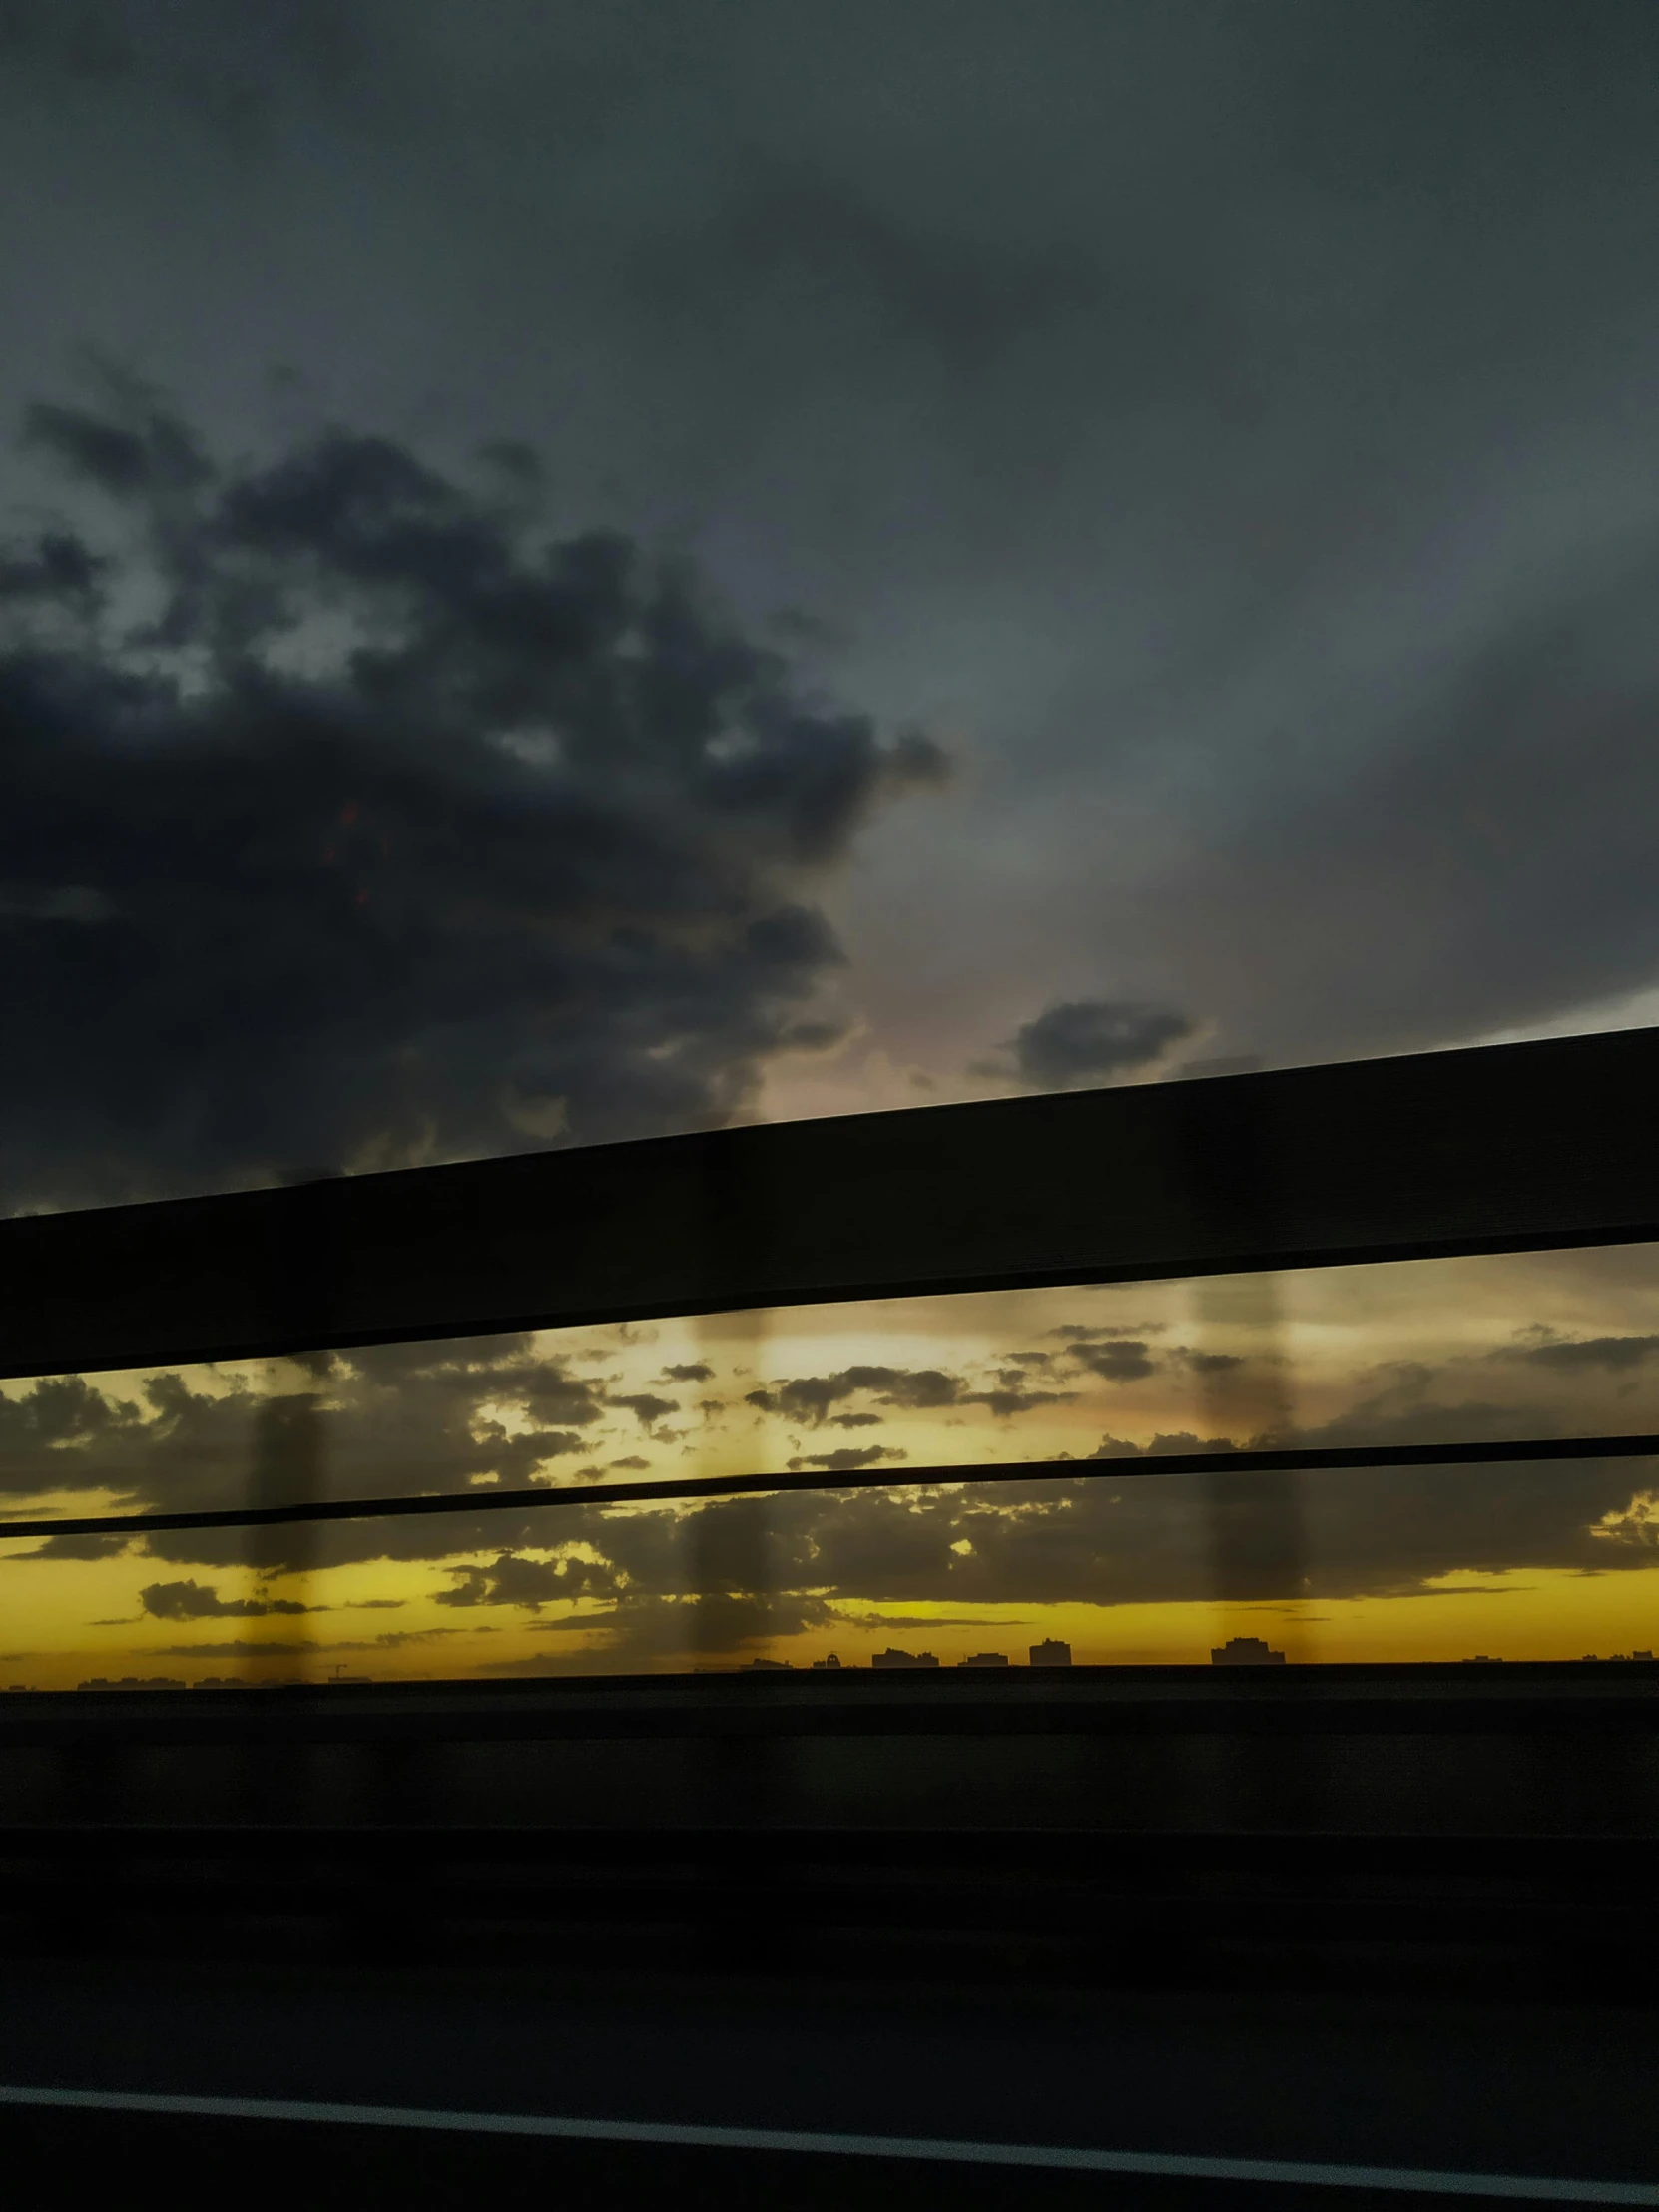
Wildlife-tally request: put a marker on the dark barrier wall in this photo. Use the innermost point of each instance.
(1530, 1750)
(1508, 1148)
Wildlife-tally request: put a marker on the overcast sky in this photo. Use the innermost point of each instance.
(1166, 502)
(572, 571)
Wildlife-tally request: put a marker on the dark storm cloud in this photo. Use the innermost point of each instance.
(355, 818)
(650, 1629)
(189, 1601)
(393, 1420)
(1142, 1538)
(1081, 1042)
(1162, 1446)
(1013, 1396)
(397, 1419)
(432, 1419)
(1239, 416)
(79, 1547)
(1117, 1356)
(1376, 1532)
(1120, 1359)
(847, 1459)
(647, 1409)
(809, 1397)
(1086, 1333)
(1148, 1539)
(274, 1647)
(1616, 1354)
(527, 1583)
(932, 1620)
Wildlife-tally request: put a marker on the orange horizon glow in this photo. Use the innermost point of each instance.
(1309, 1350)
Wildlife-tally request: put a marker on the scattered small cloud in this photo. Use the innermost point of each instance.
(528, 1584)
(847, 1460)
(1081, 1042)
(646, 1409)
(192, 1601)
(1120, 1359)
(1614, 1355)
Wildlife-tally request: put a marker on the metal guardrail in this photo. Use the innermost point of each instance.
(1508, 1148)
(1332, 1459)
(1503, 1149)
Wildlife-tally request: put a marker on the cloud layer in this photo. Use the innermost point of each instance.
(353, 816)
(659, 1582)
(1235, 425)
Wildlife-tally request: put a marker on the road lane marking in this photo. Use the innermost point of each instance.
(1058, 2157)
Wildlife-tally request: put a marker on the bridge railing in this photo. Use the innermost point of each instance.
(1506, 1149)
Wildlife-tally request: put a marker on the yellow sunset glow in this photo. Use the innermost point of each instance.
(1555, 1343)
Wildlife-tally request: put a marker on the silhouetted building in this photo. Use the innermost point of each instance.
(820, 1666)
(986, 1659)
(133, 1682)
(766, 1666)
(1051, 1653)
(1245, 1651)
(892, 1658)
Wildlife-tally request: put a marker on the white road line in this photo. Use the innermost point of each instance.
(1063, 2157)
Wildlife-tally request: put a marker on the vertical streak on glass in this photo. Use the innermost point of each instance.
(287, 1471)
(732, 1563)
(729, 1548)
(1231, 1166)
(1255, 1528)
(288, 1442)
(732, 1573)
(1256, 1537)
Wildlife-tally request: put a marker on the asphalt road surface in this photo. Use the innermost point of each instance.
(788, 2093)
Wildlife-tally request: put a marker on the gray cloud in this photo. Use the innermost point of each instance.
(189, 1601)
(652, 1629)
(1013, 1396)
(1261, 474)
(648, 1409)
(848, 1459)
(809, 1397)
(275, 1647)
(933, 1620)
(1118, 1359)
(528, 1584)
(1615, 1354)
(396, 827)
(1080, 1043)
(389, 1420)
(407, 1418)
